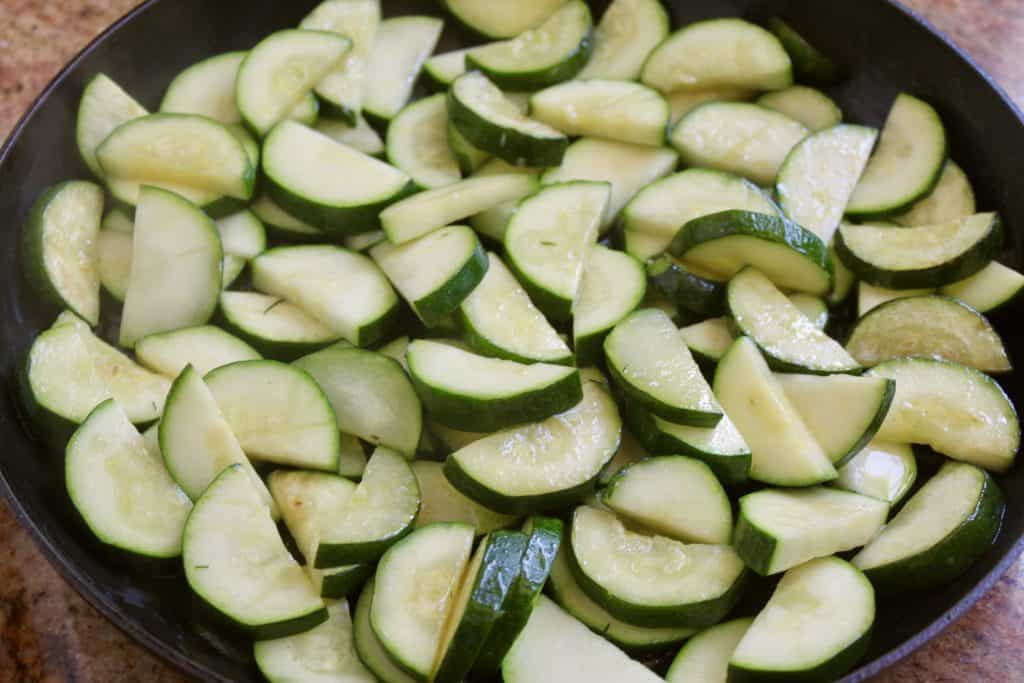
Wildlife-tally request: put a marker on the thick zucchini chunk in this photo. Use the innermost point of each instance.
(881, 470)
(705, 657)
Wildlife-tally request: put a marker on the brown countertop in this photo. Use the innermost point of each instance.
(48, 633)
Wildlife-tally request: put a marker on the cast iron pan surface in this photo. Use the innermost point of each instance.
(884, 49)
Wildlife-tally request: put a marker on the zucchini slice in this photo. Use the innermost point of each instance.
(176, 267)
(103, 108)
(242, 234)
(719, 53)
(436, 272)
(204, 347)
(650, 362)
(441, 502)
(674, 496)
(927, 256)
(737, 137)
(417, 143)
(907, 164)
(682, 102)
(61, 248)
(930, 326)
(651, 580)
(492, 222)
(412, 594)
(282, 224)
(553, 52)
(942, 530)
(613, 285)
(816, 625)
(368, 646)
(370, 394)
(788, 339)
(363, 241)
(114, 252)
(320, 279)
(813, 307)
(724, 243)
(467, 157)
(470, 392)
(783, 450)
(501, 21)
(653, 217)
(544, 465)
(930, 408)
(952, 198)
(498, 319)
(278, 413)
(207, 88)
(882, 470)
(705, 657)
(361, 136)
(614, 110)
(809, 63)
(811, 107)
(493, 123)
(708, 340)
(400, 47)
(121, 488)
(442, 69)
(237, 563)
(548, 240)
(311, 194)
(689, 290)
(280, 330)
(843, 280)
(990, 288)
(818, 177)
(870, 297)
(627, 34)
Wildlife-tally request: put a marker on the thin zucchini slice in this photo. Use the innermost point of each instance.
(689, 290)
(651, 580)
(613, 285)
(470, 392)
(614, 110)
(724, 243)
(371, 396)
(207, 88)
(114, 252)
(493, 123)
(361, 136)
(417, 143)
(941, 531)
(176, 267)
(990, 288)
(103, 108)
(788, 339)
(353, 458)
(809, 63)
(811, 107)
(652, 218)
(242, 235)
(930, 408)
(816, 625)
(400, 47)
(500, 21)
(368, 646)
(783, 450)
(204, 347)
(818, 177)
(280, 330)
(650, 362)
(61, 248)
(499, 320)
(441, 502)
(719, 53)
(870, 297)
(322, 279)
(427, 211)
(952, 198)
(282, 224)
(907, 164)
(468, 157)
(682, 102)
(674, 496)
(237, 563)
(121, 488)
(548, 240)
(882, 470)
(930, 326)
(627, 34)
(708, 340)
(737, 137)
(278, 413)
(544, 465)
(705, 657)
(493, 222)
(813, 307)
(364, 240)
(412, 594)
(442, 69)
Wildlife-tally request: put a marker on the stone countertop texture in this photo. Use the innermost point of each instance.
(49, 634)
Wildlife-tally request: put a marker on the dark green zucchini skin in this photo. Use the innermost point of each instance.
(687, 290)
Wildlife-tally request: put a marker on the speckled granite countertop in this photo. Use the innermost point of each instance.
(49, 634)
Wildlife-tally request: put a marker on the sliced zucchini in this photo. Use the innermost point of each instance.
(614, 110)
(652, 218)
(277, 413)
(207, 88)
(500, 21)
(708, 340)
(441, 502)
(371, 396)
(811, 107)
(417, 143)
(364, 240)
(816, 625)
(490, 121)
(931, 326)
(242, 235)
(843, 281)
(282, 224)
(470, 392)
(544, 465)
(121, 489)
(705, 657)
(787, 254)
(907, 165)
(952, 198)
(737, 137)
(277, 328)
(360, 137)
(548, 240)
(627, 34)
(499, 320)
(719, 53)
(104, 107)
(930, 408)
(788, 339)
(682, 102)
(783, 450)
(322, 279)
(870, 297)
(204, 347)
(613, 285)
(651, 580)
(61, 248)
(990, 288)
(689, 290)
(237, 563)
(941, 531)
(114, 252)
(442, 69)
(353, 458)
(674, 496)
(813, 307)
(493, 222)
(882, 470)
(400, 47)
(809, 63)
(467, 157)
(176, 267)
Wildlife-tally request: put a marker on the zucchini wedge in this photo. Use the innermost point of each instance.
(813, 307)
(280, 330)
(400, 47)
(628, 32)
(417, 143)
(810, 64)
(708, 340)
(441, 502)
(443, 68)
(682, 102)
(361, 137)
(689, 290)
(204, 347)
(283, 225)
(613, 110)
(501, 21)
(613, 285)
(468, 158)
(811, 107)
(705, 657)
(882, 470)
(990, 288)
(368, 646)
(952, 198)
(870, 297)
(206, 88)
(114, 252)
(103, 108)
